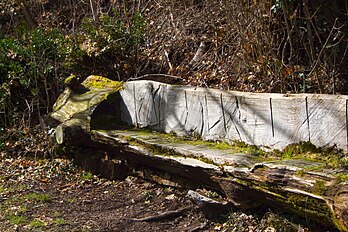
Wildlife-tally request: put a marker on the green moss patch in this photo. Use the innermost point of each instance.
(317, 208)
(162, 151)
(37, 223)
(218, 145)
(331, 156)
(17, 219)
(70, 80)
(38, 197)
(304, 151)
(341, 177)
(99, 82)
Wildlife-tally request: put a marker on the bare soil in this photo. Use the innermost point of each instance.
(55, 195)
(40, 192)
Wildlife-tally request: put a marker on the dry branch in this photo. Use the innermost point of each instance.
(164, 216)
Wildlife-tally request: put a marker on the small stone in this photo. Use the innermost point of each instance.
(170, 197)
(270, 229)
(218, 227)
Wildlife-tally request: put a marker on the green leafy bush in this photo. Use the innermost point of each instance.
(117, 34)
(32, 67)
(111, 44)
(35, 62)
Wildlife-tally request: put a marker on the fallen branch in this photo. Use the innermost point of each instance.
(199, 53)
(159, 77)
(163, 216)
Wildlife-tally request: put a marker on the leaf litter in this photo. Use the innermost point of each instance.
(50, 193)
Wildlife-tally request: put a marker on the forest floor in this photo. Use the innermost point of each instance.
(39, 192)
(55, 195)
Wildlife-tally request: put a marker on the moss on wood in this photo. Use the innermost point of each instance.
(99, 82)
(333, 157)
(162, 151)
(70, 79)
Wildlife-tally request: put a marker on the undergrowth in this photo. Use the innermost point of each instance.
(259, 46)
(35, 61)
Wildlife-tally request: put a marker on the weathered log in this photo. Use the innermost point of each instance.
(73, 110)
(103, 117)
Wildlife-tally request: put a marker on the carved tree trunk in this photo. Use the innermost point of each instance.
(98, 118)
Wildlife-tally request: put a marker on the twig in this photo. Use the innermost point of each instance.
(309, 30)
(28, 17)
(289, 34)
(200, 227)
(168, 61)
(94, 9)
(322, 49)
(202, 48)
(163, 216)
(154, 76)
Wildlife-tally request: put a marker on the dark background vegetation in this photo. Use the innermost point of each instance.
(285, 46)
(281, 46)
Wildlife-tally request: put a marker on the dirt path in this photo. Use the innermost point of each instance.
(55, 195)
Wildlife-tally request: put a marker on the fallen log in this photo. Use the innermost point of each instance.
(109, 116)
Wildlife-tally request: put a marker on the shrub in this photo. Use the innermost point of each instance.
(111, 44)
(35, 62)
(31, 73)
